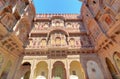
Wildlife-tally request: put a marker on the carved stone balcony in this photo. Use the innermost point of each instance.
(47, 30)
(12, 44)
(58, 47)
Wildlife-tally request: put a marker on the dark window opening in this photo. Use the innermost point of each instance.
(73, 72)
(26, 64)
(93, 70)
(94, 2)
(87, 15)
(43, 73)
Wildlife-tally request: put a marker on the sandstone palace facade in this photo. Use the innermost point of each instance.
(60, 46)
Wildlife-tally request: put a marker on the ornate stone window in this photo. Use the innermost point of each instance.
(72, 42)
(57, 22)
(116, 58)
(46, 25)
(93, 70)
(43, 42)
(69, 25)
(58, 41)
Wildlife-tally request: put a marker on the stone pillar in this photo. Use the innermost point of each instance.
(67, 69)
(33, 66)
(49, 70)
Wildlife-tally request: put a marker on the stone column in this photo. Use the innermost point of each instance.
(33, 66)
(67, 69)
(49, 70)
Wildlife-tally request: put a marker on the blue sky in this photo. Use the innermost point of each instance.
(57, 6)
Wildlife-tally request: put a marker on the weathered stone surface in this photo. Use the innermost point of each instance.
(60, 46)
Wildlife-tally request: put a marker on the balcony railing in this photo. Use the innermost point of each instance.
(45, 30)
(58, 47)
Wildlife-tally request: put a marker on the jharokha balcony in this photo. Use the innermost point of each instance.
(58, 47)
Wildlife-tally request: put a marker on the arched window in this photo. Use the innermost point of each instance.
(69, 25)
(25, 69)
(94, 71)
(26, 64)
(58, 71)
(116, 58)
(76, 70)
(43, 42)
(41, 70)
(72, 42)
(57, 23)
(45, 25)
(61, 23)
(111, 67)
(58, 41)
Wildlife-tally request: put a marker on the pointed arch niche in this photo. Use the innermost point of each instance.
(41, 70)
(58, 71)
(25, 70)
(94, 71)
(76, 70)
(116, 58)
(111, 67)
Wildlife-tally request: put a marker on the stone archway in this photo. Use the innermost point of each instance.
(27, 75)
(116, 58)
(94, 71)
(41, 70)
(111, 68)
(24, 71)
(76, 70)
(58, 71)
